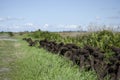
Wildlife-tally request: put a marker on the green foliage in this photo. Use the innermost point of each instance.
(48, 35)
(102, 39)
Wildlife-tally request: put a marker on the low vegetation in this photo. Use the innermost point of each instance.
(39, 62)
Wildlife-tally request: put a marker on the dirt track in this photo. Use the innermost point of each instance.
(6, 56)
(6, 37)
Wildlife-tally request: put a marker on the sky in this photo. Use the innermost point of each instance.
(57, 15)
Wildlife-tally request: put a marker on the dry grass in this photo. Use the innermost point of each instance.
(72, 34)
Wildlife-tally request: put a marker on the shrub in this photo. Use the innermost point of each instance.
(11, 34)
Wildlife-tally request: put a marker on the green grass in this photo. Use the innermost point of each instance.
(38, 64)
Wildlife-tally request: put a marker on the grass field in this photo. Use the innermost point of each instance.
(30, 63)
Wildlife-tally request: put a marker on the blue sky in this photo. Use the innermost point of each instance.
(57, 15)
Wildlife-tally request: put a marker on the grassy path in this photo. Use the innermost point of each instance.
(18, 61)
(7, 57)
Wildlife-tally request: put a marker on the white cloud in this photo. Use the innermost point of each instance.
(71, 26)
(10, 18)
(19, 27)
(33, 27)
(46, 25)
(68, 26)
(58, 27)
(29, 24)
